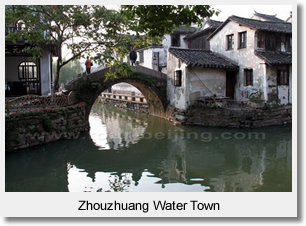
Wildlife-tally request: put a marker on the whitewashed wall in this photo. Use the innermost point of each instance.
(196, 82)
(177, 96)
(167, 42)
(150, 58)
(205, 83)
(245, 58)
(45, 68)
(278, 94)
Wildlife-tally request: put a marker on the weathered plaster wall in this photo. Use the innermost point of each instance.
(278, 94)
(154, 57)
(147, 58)
(177, 96)
(167, 41)
(196, 82)
(207, 82)
(272, 96)
(245, 58)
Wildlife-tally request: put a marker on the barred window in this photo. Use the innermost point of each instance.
(175, 40)
(141, 57)
(248, 77)
(178, 78)
(242, 39)
(282, 78)
(27, 71)
(230, 42)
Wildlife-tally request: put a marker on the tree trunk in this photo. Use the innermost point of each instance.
(56, 85)
(58, 68)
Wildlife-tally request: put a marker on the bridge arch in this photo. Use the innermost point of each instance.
(152, 84)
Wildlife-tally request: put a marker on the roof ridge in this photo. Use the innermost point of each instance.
(185, 49)
(265, 14)
(273, 22)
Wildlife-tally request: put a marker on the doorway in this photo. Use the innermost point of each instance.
(230, 84)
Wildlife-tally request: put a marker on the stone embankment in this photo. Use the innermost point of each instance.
(28, 129)
(139, 107)
(233, 118)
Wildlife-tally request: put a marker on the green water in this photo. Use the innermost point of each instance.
(131, 152)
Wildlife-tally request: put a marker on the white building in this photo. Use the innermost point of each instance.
(155, 57)
(240, 59)
(197, 73)
(262, 50)
(24, 74)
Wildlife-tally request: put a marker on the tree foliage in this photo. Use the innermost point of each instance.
(157, 20)
(104, 34)
(84, 30)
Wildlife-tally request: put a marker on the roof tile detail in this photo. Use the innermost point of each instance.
(275, 58)
(203, 58)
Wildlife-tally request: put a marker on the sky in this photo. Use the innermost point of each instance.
(282, 11)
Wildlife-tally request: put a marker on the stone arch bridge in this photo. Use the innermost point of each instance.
(152, 84)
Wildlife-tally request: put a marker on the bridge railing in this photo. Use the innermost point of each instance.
(32, 103)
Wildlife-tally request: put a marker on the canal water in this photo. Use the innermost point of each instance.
(131, 152)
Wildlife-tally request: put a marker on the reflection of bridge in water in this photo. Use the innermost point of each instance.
(169, 157)
(163, 155)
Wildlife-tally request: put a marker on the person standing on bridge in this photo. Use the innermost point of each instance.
(88, 65)
(133, 56)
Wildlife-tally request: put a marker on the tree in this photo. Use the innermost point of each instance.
(83, 29)
(156, 20)
(88, 30)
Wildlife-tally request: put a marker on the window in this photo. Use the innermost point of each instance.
(282, 78)
(230, 42)
(27, 71)
(175, 40)
(178, 78)
(260, 40)
(141, 58)
(242, 39)
(248, 77)
(289, 43)
(270, 42)
(29, 76)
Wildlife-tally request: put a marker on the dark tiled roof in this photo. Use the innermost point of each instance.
(275, 58)
(184, 30)
(213, 25)
(198, 33)
(202, 58)
(271, 18)
(278, 27)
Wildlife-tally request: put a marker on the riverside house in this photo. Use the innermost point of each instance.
(249, 59)
(25, 74)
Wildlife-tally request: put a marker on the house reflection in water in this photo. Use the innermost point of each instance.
(133, 162)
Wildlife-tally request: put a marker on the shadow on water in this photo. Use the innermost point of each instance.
(127, 151)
